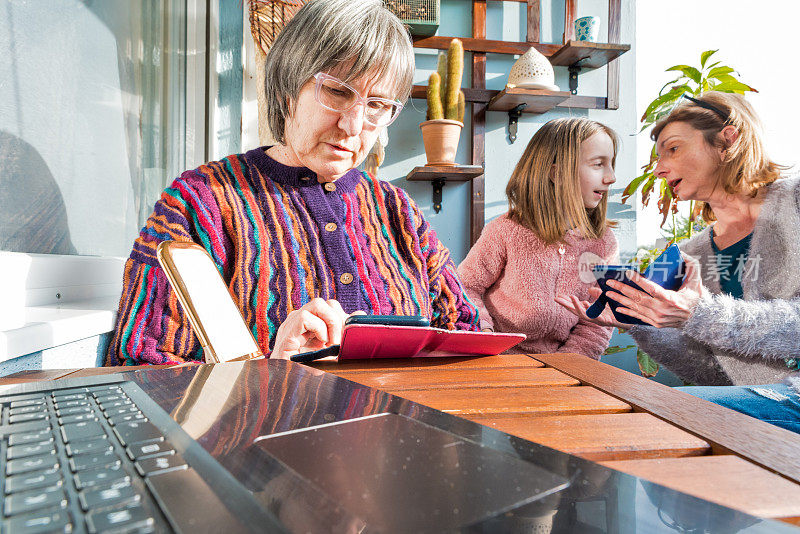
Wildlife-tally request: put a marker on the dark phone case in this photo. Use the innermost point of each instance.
(667, 271)
(389, 320)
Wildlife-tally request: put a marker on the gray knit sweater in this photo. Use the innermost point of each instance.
(727, 341)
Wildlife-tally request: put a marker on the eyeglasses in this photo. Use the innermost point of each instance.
(722, 115)
(335, 95)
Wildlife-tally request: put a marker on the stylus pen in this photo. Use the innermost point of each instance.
(304, 357)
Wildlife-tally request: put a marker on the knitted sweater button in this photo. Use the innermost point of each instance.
(330, 186)
(330, 227)
(346, 278)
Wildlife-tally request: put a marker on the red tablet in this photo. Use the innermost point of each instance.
(366, 341)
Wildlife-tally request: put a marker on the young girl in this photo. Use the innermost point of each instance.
(557, 198)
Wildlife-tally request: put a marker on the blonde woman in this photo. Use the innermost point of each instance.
(736, 319)
(557, 198)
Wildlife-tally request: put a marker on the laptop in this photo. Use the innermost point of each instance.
(191, 450)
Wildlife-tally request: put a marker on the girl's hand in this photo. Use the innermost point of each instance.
(658, 306)
(579, 307)
(316, 325)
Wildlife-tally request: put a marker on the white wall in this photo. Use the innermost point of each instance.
(756, 39)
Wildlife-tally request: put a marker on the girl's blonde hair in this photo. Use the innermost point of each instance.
(746, 166)
(552, 206)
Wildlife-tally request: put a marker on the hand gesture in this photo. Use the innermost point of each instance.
(318, 324)
(579, 307)
(658, 306)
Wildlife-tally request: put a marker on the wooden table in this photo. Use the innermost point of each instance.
(597, 412)
(601, 413)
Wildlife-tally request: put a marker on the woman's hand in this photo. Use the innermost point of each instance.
(579, 307)
(316, 325)
(658, 306)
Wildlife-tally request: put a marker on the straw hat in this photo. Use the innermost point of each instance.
(532, 71)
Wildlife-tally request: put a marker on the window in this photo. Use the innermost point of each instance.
(93, 120)
(102, 104)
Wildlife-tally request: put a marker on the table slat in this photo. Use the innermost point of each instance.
(724, 479)
(727, 431)
(505, 361)
(554, 400)
(624, 436)
(35, 376)
(443, 379)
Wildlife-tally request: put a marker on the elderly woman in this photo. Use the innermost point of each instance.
(300, 234)
(736, 319)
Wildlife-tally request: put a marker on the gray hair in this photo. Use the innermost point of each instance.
(327, 33)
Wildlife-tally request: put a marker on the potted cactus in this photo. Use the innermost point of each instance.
(446, 104)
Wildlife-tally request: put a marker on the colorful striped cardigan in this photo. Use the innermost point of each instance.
(280, 239)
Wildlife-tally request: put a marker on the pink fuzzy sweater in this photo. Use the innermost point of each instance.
(512, 276)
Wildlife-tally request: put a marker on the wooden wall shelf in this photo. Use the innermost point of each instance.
(456, 173)
(471, 44)
(483, 96)
(471, 94)
(440, 175)
(535, 100)
(576, 54)
(587, 55)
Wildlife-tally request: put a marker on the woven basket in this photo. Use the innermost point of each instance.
(268, 17)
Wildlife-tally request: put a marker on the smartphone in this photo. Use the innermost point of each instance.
(389, 320)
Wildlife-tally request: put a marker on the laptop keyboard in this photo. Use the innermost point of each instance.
(90, 459)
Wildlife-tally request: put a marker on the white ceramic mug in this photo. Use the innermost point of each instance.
(587, 29)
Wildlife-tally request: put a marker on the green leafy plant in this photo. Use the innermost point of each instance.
(692, 81)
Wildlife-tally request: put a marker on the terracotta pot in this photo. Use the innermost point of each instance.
(440, 137)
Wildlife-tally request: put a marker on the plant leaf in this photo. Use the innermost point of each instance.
(631, 188)
(648, 188)
(663, 104)
(716, 72)
(677, 67)
(705, 55)
(672, 95)
(647, 366)
(664, 200)
(690, 72)
(616, 350)
(660, 91)
(733, 85)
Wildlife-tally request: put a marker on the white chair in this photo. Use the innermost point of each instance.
(212, 312)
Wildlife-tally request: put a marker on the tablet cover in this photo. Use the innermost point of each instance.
(364, 341)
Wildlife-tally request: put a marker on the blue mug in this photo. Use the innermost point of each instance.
(587, 29)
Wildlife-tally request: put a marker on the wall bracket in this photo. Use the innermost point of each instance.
(438, 184)
(513, 118)
(574, 70)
